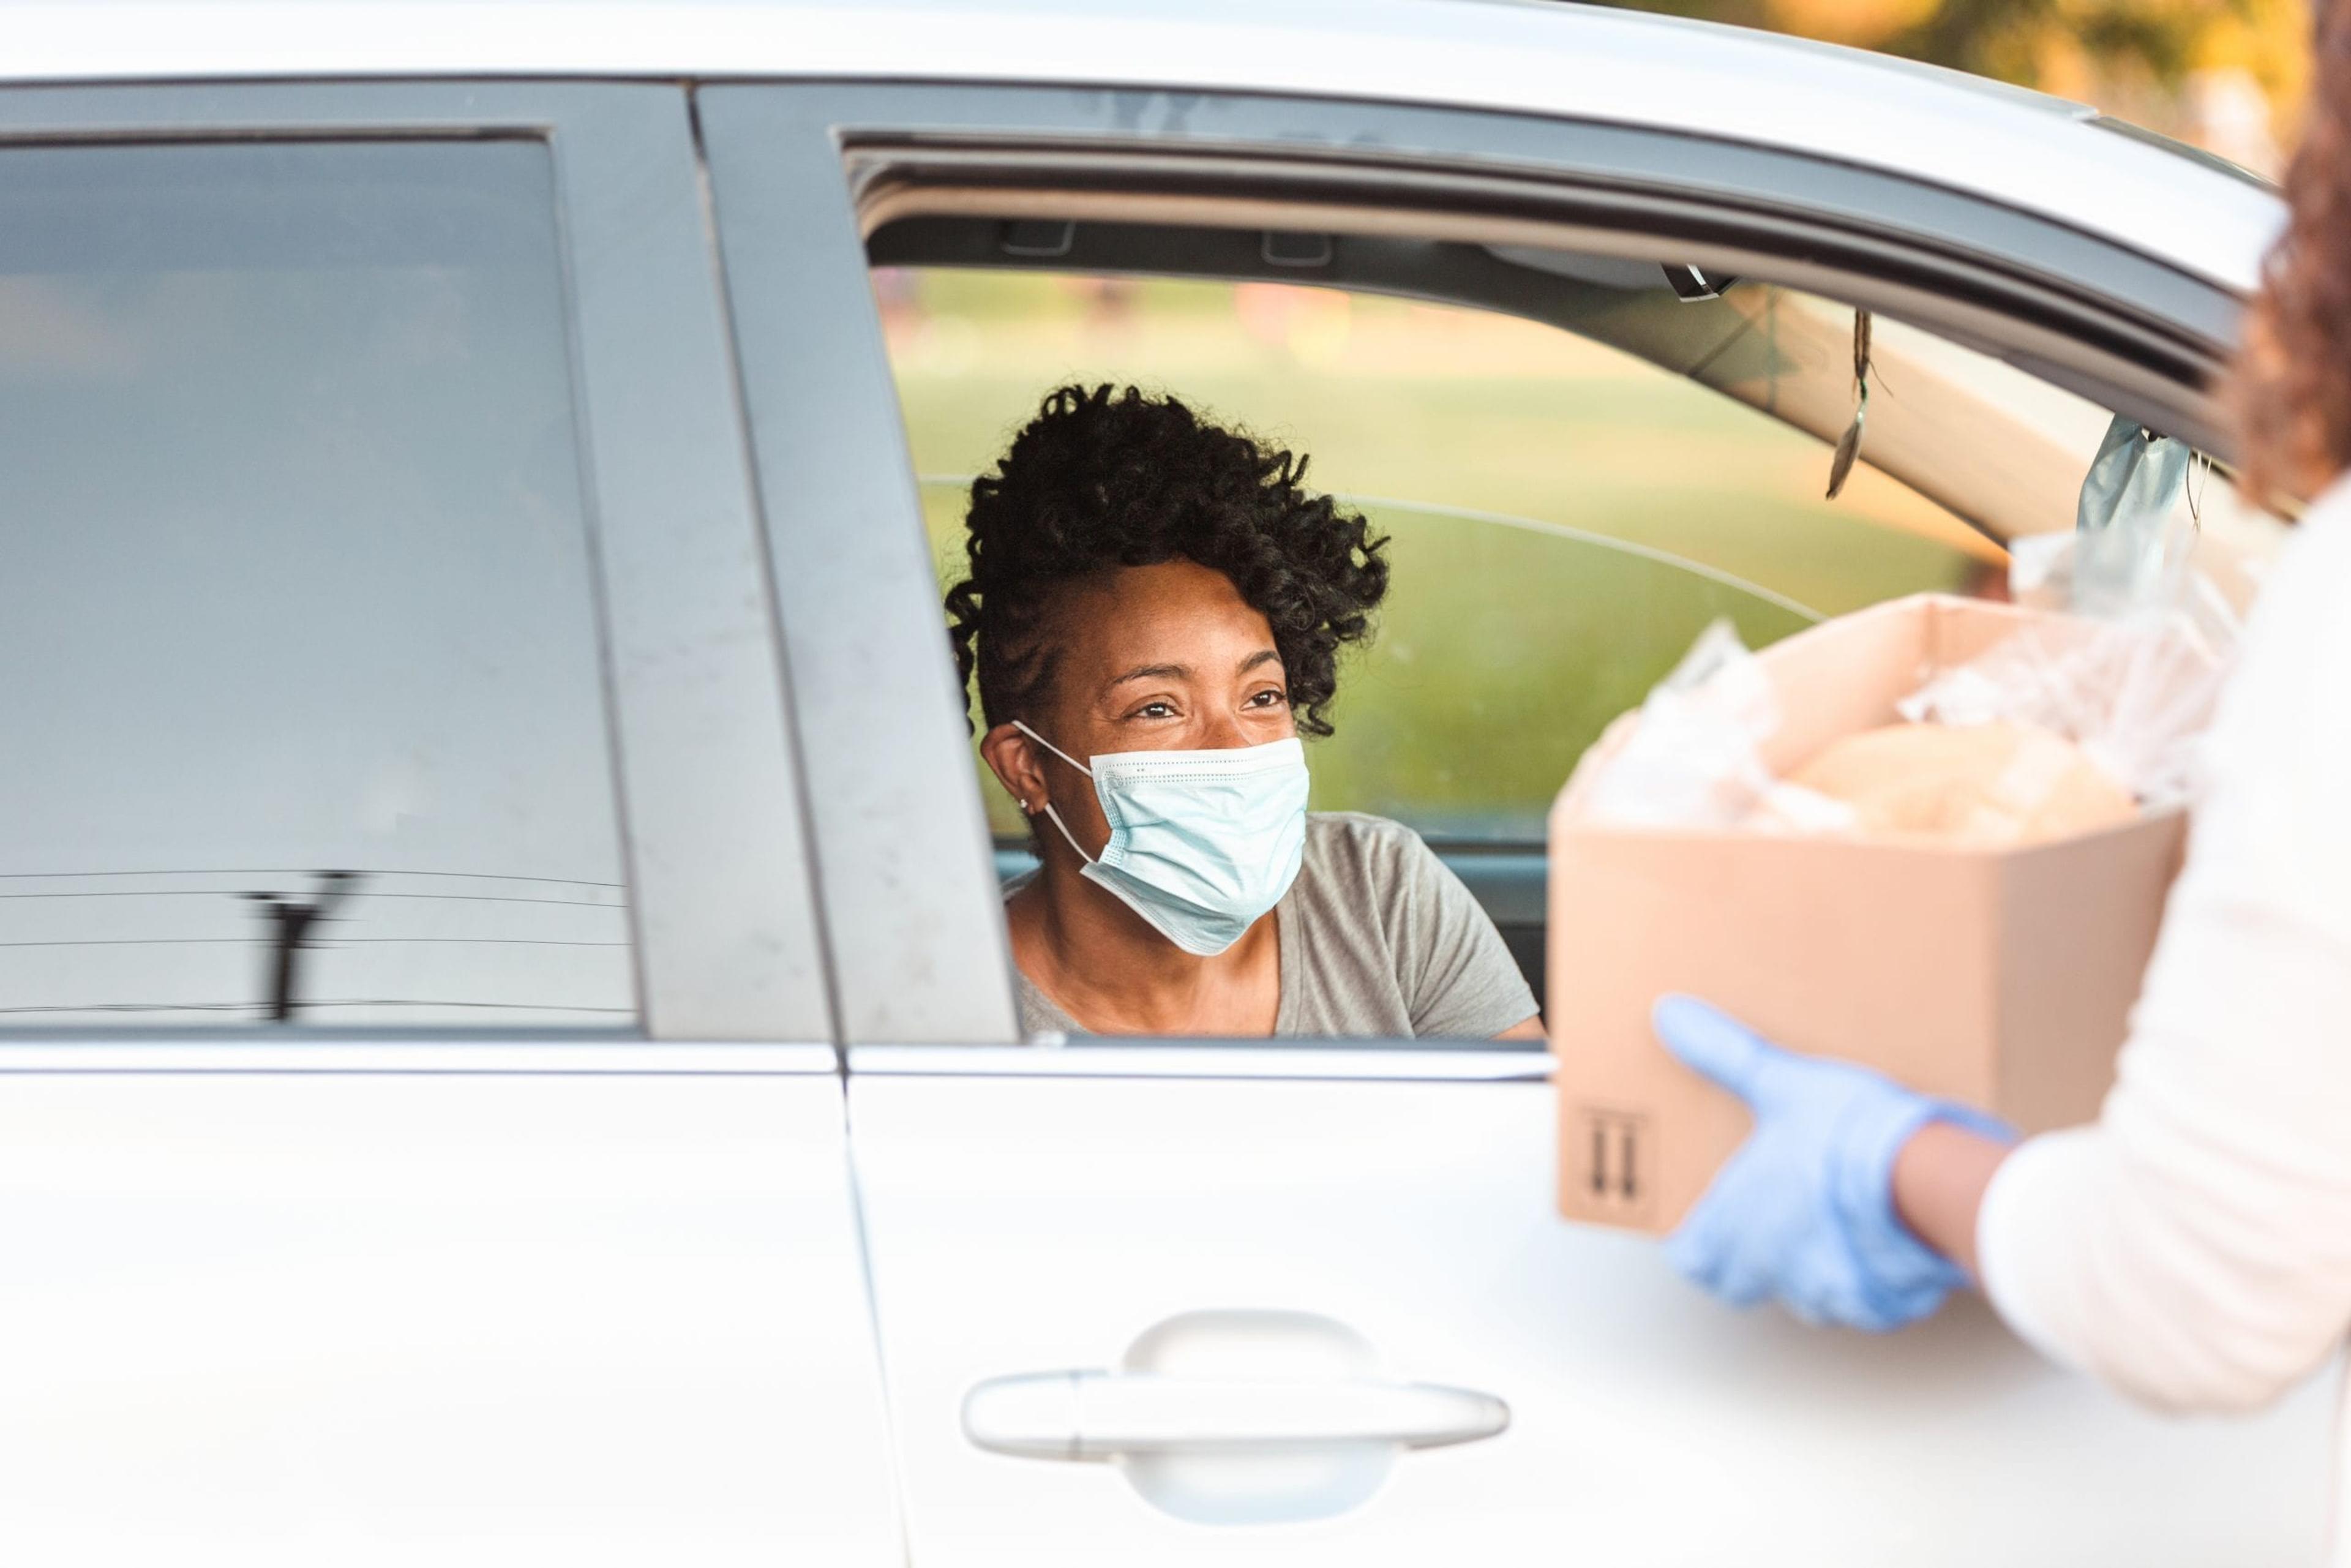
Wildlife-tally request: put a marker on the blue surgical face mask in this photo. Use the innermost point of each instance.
(1202, 843)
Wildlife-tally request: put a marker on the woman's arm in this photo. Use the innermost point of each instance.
(1803, 1212)
(2193, 1246)
(1939, 1179)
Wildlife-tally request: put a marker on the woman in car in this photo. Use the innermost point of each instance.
(2193, 1245)
(1155, 614)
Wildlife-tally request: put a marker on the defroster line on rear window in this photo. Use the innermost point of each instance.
(319, 943)
(263, 1007)
(233, 893)
(304, 871)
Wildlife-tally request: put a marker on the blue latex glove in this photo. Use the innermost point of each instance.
(1805, 1211)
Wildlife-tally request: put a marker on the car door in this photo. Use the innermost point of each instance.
(1311, 1301)
(420, 1130)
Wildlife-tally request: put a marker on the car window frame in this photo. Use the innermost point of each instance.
(725, 948)
(907, 884)
(1940, 258)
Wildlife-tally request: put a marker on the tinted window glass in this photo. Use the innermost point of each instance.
(294, 580)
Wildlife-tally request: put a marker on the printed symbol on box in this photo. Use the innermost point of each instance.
(1617, 1154)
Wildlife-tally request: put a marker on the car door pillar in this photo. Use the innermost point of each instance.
(909, 898)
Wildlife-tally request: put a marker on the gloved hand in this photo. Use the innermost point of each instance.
(1804, 1210)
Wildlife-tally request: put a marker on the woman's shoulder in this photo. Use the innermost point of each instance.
(1364, 850)
(2318, 547)
(2296, 653)
(1358, 832)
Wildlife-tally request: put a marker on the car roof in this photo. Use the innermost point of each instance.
(2037, 153)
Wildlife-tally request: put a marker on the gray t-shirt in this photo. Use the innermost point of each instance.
(1378, 938)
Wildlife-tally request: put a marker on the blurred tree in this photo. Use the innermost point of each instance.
(2153, 61)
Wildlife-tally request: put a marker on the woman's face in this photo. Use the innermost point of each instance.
(1150, 658)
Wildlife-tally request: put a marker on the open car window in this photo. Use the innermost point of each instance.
(1567, 507)
(1564, 516)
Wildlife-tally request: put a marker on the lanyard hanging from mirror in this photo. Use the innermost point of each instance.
(1848, 446)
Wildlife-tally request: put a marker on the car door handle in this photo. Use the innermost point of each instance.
(1124, 1415)
(1229, 1416)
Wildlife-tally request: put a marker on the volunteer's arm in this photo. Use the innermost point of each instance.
(2193, 1246)
(1803, 1212)
(1939, 1177)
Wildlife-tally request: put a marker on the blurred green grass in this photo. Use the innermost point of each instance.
(1505, 646)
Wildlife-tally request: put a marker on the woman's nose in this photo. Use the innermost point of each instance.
(1224, 733)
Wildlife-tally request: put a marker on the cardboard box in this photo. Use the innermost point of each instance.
(2004, 978)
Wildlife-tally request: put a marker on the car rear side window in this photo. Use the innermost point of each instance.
(302, 714)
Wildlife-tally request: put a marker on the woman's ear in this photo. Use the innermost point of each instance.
(1014, 758)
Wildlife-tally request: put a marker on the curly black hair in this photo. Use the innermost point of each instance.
(1100, 480)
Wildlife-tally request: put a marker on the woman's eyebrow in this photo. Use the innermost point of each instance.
(1151, 672)
(1263, 656)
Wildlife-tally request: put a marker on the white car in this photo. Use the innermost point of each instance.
(509, 1051)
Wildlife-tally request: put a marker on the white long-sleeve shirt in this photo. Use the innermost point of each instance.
(2193, 1246)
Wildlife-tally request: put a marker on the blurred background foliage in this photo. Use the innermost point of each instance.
(2227, 75)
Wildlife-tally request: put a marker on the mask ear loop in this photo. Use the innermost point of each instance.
(1073, 762)
(1021, 724)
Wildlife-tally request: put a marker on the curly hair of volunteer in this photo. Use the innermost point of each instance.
(2292, 389)
(1102, 480)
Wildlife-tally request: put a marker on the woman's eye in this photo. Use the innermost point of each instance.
(1155, 710)
(1271, 696)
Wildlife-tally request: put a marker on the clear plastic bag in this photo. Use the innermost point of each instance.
(2134, 696)
(2110, 695)
(1695, 759)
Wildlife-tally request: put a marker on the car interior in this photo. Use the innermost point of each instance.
(1583, 454)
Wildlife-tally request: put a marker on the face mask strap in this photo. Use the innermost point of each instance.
(1067, 834)
(1022, 726)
